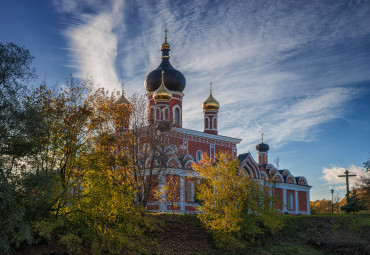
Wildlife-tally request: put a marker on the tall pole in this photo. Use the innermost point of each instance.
(346, 174)
(332, 203)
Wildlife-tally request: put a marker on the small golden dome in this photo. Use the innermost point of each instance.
(123, 99)
(162, 93)
(211, 104)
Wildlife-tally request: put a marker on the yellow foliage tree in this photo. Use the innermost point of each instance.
(233, 206)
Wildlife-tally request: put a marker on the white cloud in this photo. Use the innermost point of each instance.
(94, 47)
(330, 175)
(274, 65)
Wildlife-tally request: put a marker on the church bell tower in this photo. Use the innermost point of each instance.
(210, 109)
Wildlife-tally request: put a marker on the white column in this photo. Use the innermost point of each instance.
(296, 202)
(284, 200)
(182, 193)
(308, 202)
(161, 186)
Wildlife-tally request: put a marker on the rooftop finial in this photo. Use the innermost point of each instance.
(123, 99)
(165, 35)
(262, 136)
(162, 75)
(165, 45)
(210, 88)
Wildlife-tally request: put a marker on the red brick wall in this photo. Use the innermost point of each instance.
(302, 200)
(221, 149)
(151, 196)
(193, 147)
(278, 195)
(173, 184)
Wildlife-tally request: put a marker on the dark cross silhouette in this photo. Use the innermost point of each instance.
(346, 174)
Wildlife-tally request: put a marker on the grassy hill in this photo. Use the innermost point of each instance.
(184, 234)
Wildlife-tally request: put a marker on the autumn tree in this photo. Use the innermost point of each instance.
(91, 146)
(233, 206)
(322, 206)
(363, 185)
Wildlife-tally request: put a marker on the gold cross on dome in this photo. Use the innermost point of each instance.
(165, 35)
(210, 87)
(162, 75)
(262, 136)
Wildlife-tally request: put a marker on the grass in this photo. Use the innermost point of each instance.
(313, 234)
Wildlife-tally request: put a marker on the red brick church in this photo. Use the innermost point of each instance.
(165, 86)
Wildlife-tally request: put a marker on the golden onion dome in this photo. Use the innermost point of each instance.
(162, 93)
(123, 99)
(211, 104)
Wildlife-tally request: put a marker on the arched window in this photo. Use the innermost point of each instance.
(290, 202)
(177, 116)
(146, 147)
(214, 123)
(158, 115)
(199, 156)
(151, 116)
(206, 123)
(190, 192)
(165, 114)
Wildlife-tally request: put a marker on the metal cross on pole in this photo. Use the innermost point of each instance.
(346, 174)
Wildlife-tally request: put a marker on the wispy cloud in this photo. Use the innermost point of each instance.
(330, 175)
(278, 66)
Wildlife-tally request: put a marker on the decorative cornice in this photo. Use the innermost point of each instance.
(206, 135)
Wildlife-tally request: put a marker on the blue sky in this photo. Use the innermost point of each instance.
(299, 71)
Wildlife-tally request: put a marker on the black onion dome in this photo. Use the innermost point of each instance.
(262, 147)
(174, 79)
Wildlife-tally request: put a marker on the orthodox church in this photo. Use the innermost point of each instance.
(165, 86)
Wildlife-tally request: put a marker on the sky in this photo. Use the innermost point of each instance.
(298, 71)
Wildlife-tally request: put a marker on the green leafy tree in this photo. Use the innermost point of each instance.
(367, 165)
(234, 207)
(19, 132)
(356, 203)
(17, 123)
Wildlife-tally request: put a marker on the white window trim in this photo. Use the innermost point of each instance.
(164, 111)
(290, 202)
(196, 155)
(160, 113)
(173, 114)
(214, 122)
(208, 123)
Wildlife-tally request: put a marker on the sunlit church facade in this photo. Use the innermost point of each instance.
(165, 86)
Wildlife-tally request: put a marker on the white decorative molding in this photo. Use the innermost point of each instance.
(283, 185)
(292, 177)
(284, 200)
(193, 133)
(296, 202)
